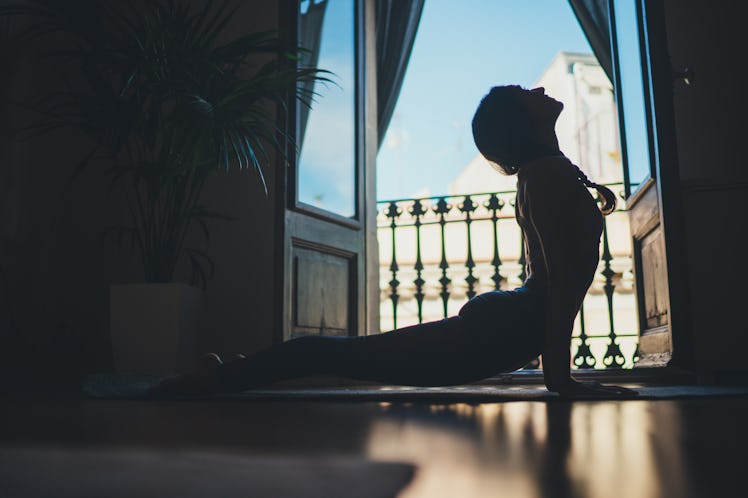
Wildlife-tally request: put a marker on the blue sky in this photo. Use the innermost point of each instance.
(326, 178)
(462, 49)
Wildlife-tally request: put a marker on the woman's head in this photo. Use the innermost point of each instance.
(513, 125)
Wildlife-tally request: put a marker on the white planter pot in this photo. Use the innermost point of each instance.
(155, 327)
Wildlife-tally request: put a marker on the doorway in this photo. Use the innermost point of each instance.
(438, 245)
(448, 234)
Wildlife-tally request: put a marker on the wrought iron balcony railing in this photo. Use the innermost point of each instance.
(437, 252)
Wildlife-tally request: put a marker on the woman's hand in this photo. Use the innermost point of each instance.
(590, 388)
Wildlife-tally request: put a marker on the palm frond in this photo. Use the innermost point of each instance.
(172, 99)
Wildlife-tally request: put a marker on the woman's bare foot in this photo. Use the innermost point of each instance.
(203, 379)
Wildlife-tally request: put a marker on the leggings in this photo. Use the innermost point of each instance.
(495, 332)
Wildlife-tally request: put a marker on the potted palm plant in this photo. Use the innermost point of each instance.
(166, 97)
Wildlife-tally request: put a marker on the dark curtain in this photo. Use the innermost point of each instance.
(397, 23)
(310, 37)
(593, 17)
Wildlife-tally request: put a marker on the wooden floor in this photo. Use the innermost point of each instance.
(638, 449)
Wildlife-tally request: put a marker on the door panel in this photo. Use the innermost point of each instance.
(655, 295)
(642, 163)
(322, 299)
(325, 217)
(655, 344)
(324, 290)
(327, 132)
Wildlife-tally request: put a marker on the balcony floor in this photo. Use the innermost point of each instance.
(639, 448)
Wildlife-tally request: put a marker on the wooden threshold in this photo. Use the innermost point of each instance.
(648, 375)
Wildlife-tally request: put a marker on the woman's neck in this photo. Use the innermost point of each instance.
(542, 152)
(547, 140)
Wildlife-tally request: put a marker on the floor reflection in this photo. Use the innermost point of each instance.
(599, 450)
(639, 449)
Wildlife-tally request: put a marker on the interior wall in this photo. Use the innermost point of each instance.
(55, 266)
(710, 119)
(240, 297)
(53, 263)
(709, 126)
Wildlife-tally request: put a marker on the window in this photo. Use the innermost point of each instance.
(631, 93)
(327, 133)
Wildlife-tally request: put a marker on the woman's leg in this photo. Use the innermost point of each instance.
(429, 354)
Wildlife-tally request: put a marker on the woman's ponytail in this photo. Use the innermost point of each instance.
(608, 197)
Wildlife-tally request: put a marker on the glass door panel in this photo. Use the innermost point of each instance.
(327, 133)
(631, 94)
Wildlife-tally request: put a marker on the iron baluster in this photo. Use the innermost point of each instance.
(393, 212)
(417, 211)
(467, 207)
(584, 357)
(391, 220)
(613, 356)
(495, 204)
(635, 354)
(442, 209)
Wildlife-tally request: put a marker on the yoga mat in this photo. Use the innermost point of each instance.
(468, 394)
(135, 387)
(84, 473)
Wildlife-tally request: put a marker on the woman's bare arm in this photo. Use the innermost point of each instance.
(568, 236)
(550, 199)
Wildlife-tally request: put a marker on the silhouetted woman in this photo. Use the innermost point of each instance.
(499, 331)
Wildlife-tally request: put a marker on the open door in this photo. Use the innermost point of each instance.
(642, 83)
(325, 207)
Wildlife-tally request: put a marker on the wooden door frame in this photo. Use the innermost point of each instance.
(660, 194)
(371, 148)
(668, 181)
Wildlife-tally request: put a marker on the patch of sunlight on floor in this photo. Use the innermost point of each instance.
(528, 449)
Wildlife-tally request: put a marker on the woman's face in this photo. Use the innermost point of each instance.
(541, 107)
